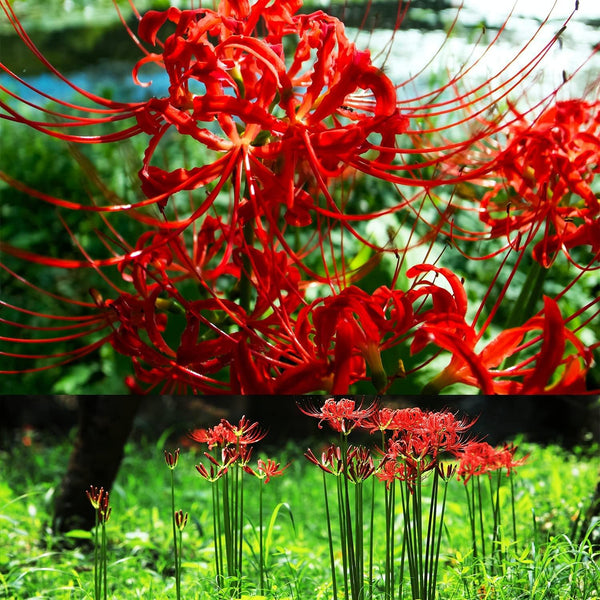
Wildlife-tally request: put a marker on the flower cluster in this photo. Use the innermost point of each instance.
(414, 440)
(99, 499)
(251, 267)
(478, 458)
(231, 445)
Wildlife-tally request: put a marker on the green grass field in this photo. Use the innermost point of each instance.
(549, 562)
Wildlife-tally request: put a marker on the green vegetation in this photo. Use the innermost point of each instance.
(551, 490)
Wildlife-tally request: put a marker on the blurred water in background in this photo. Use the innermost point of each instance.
(100, 57)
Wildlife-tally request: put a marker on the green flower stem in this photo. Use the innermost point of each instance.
(497, 554)
(175, 551)
(104, 561)
(261, 558)
(390, 494)
(97, 584)
(436, 561)
(178, 573)
(371, 538)
(240, 519)
(430, 542)
(217, 532)
(330, 536)
(359, 540)
(481, 529)
(512, 502)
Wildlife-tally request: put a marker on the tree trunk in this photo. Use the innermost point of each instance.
(104, 426)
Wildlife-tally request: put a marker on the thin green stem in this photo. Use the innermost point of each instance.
(371, 538)
(175, 551)
(260, 538)
(512, 502)
(481, 529)
(97, 588)
(104, 561)
(330, 536)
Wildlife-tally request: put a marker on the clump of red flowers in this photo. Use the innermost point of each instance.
(478, 458)
(253, 267)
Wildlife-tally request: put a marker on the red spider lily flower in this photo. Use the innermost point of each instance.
(331, 460)
(359, 464)
(390, 470)
(266, 470)
(181, 519)
(172, 459)
(219, 464)
(341, 415)
(383, 419)
(95, 496)
(547, 169)
(484, 369)
(245, 432)
(104, 510)
(219, 435)
(280, 131)
(211, 474)
(245, 76)
(234, 441)
(478, 458)
(357, 321)
(425, 436)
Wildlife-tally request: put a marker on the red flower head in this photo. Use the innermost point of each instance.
(219, 435)
(236, 92)
(561, 360)
(547, 166)
(359, 464)
(357, 322)
(331, 460)
(341, 415)
(266, 470)
(95, 496)
(478, 458)
(172, 459)
(424, 436)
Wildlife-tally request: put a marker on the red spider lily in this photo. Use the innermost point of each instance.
(245, 432)
(95, 496)
(181, 519)
(478, 458)
(484, 369)
(357, 321)
(104, 510)
(219, 435)
(211, 474)
(384, 419)
(359, 464)
(331, 339)
(546, 170)
(331, 460)
(266, 470)
(424, 437)
(172, 458)
(233, 439)
(341, 415)
(391, 470)
(281, 132)
(244, 75)
(221, 461)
